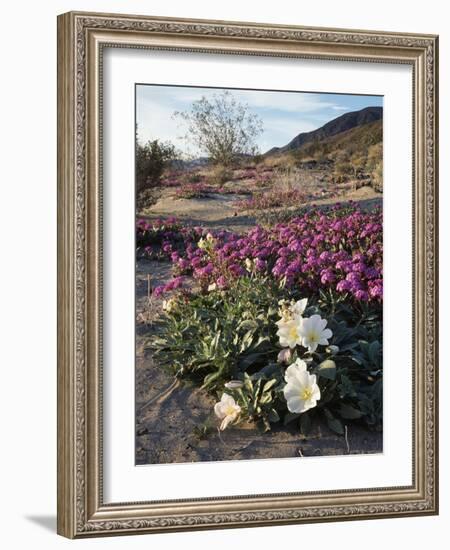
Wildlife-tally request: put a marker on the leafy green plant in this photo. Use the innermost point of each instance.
(229, 342)
(215, 336)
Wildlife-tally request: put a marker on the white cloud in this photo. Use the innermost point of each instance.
(285, 101)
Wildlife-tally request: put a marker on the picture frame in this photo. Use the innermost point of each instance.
(82, 40)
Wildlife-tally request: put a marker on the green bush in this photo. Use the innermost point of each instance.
(218, 335)
(151, 159)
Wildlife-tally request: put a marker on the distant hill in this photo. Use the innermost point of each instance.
(334, 127)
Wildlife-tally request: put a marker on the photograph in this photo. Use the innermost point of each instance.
(247, 271)
(259, 274)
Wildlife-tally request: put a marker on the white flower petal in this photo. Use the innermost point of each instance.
(316, 394)
(295, 404)
(218, 410)
(299, 307)
(292, 390)
(315, 320)
(227, 421)
(294, 370)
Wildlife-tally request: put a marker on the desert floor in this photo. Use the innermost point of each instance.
(175, 420)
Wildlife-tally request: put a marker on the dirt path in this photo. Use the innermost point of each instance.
(175, 420)
(217, 211)
(220, 212)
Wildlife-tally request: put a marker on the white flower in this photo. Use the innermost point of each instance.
(291, 310)
(294, 369)
(209, 238)
(168, 305)
(234, 384)
(313, 332)
(301, 391)
(212, 287)
(248, 264)
(227, 410)
(201, 243)
(289, 333)
(299, 307)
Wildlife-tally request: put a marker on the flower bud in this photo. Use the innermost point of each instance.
(234, 385)
(285, 355)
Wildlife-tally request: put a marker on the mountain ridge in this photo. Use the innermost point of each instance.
(333, 127)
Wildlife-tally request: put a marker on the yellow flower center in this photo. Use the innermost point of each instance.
(293, 332)
(306, 394)
(230, 410)
(313, 337)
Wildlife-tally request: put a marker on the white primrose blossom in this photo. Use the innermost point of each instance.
(289, 333)
(212, 287)
(313, 332)
(227, 410)
(289, 324)
(301, 390)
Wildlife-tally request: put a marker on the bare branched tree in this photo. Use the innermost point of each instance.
(222, 127)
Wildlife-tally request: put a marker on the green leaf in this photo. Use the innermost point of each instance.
(327, 369)
(374, 352)
(273, 416)
(346, 387)
(248, 383)
(335, 425)
(305, 424)
(349, 412)
(270, 384)
(248, 360)
(265, 398)
(290, 417)
(248, 325)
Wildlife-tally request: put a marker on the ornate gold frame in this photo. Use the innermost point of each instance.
(81, 37)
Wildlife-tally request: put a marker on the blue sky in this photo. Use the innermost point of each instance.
(284, 114)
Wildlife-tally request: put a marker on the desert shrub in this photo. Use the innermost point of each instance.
(145, 198)
(151, 160)
(192, 177)
(219, 175)
(274, 198)
(263, 179)
(342, 170)
(194, 190)
(375, 166)
(377, 177)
